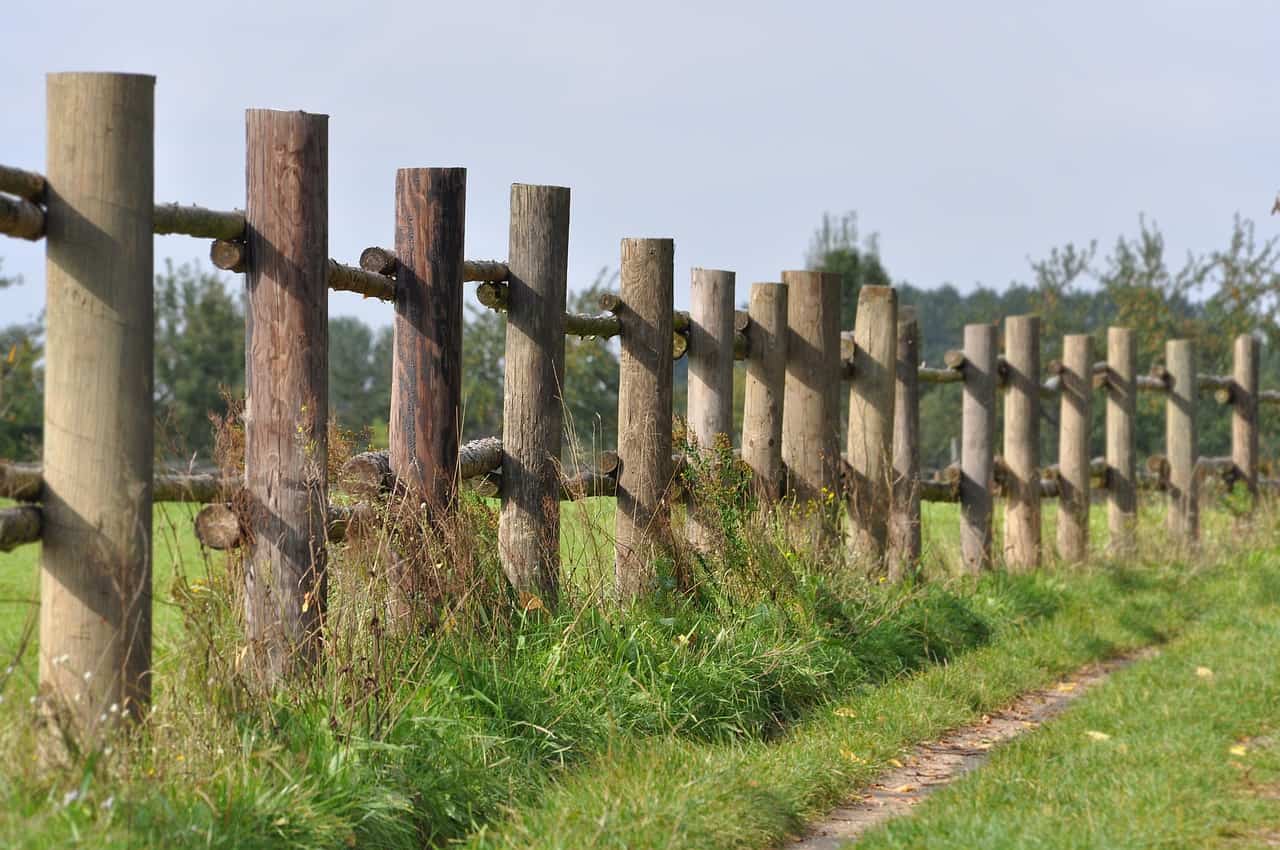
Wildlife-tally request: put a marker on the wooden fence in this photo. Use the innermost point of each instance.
(90, 502)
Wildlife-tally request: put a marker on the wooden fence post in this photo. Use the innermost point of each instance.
(810, 420)
(1122, 467)
(1022, 442)
(95, 579)
(286, 386)
(869, 444)
(426, 376)
(710, 408)
(643, 524)
(1073, 447)
(904, 516)
(1244, 412)
(977, 451)
(1180, 441)
(533, 406)
(766, 380)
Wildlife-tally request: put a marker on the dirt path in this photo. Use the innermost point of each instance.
(934, 764)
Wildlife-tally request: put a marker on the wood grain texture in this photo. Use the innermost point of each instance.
(810, 418)
(95, 586)
(1074, 421)
(19, 524)
(869, 442)
(533, 407)
(1122, 453)
(21, 219)
(710, 402)
(286, 384)
(1022, 442)
(643, 523)
(1180, 441)
(426, 370)
(977, 447)
(762, 409)
(904, 515)
(1244, 411)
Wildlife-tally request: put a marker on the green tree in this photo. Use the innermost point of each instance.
(21, 386)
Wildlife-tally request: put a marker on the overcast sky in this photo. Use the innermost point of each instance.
(968, 135)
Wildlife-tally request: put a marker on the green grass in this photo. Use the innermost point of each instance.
(1179, 751)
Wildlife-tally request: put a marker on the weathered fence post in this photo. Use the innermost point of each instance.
(1022, 442)
(1244, 411)
(810, 420)
(644, 413)
(426, 375)
(1073, 447)
(533, 406)
(762, 410)
(869, 444)
(286, 386)
(904, 516)
(977, 450)
(710, 408)
(1122, 466)
(1180, 441)
(95, 579)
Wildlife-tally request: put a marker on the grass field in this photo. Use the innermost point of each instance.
(717, 720)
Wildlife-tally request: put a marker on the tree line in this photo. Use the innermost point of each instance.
(1209, 297)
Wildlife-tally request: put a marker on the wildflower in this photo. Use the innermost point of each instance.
(115, 708)
(88, 674)
(109, 802)
(70, 797)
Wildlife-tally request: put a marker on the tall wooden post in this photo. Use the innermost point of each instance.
(533, 406)
(286, 386)
(1022, 442)
(977, 446)
(1073, 447)
(810, 421)
(1122, 411)
(95, 578)
(904, 517)
(1180, 441)
(643, 524)
(426, 375)
(1244, 411)
(869, 444)
(766, 379)
(710, 405)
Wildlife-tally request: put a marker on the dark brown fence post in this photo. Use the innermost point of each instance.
(1022, 442)
(904, 518)
(1122, 465)
(95, 584)
(1244, 411)
(869, 444)
(710, 407)
(810, 420)
(977, 452)
(1073, 447)
(533, 406)
(426, 375)
(286, 386)
(762, 410)
(643, 524)
(1180, 441)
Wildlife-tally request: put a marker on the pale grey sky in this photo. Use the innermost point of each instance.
(968, 135)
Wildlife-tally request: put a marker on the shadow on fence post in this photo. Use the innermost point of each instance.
(904, 517)
(811, 421)
(762, 410)
(286, 387)
(643, 523)
(1180, 441)
(533, 403)
(1074, 421)
(95, 581)
(710, 404)
(869, 442)
(1244, 412)
(1122, 467)
(1022, 442)
(977, 453)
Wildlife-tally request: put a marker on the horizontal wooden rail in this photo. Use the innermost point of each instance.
(21, 219)
(25, 184)
(383, 261)
(369, 475)
(218, 526)
(19, 525)
(24, 482)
